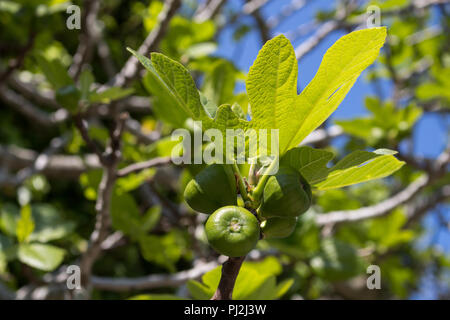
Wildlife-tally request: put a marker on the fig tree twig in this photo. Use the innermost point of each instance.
(81, 124)
(139, 166)
(28, 109)
(241, 184)
(375, 210)
(89, 37)
(208, 10)
(230, 271)
(111, 159)
(152, 281)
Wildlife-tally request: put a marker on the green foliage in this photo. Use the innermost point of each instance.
(25, 224)
(127, 218)
(164, 250)
(336, 261)
(218, 85)
(47, 219)
(33, 226)
(108, 95)
(40, 256)
(155, 296)
(385, 125)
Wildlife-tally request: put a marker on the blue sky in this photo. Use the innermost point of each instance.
(430, 135)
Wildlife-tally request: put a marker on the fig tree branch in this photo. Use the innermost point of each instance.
(30, 91)
(58, 166)
(139, 166)
(320, 135)
(25, 107)
(230, 271)
(110, 161)
(152, 281)
(339, 21)
(81, 124)
(47, 98)
(376, 210)
(287, 10)
(416, 210)
(208, 10)
(261, 24)
(90, 34)
(313, 41)
(253, 5)
(41, 161)
(17, 62)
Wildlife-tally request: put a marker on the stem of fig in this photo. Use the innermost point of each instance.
(251, 174)
(241, 183)
(257, 192)
(230, 271)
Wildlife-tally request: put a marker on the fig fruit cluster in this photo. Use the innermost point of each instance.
(233, 230)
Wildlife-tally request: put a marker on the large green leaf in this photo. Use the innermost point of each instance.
(271, 86)
(340, 67)
(40, 256)
(272, 89)
(175, 89)
(172, 82)
(359, 166)
(309, 161)
(163, 104)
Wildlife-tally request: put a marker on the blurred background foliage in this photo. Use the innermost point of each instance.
(49, 177)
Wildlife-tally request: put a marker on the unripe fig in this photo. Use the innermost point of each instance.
(278, 227)
(232, 231)
(212, 188)
(286, 194)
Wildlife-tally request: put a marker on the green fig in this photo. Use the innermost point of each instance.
(286, 194)
(278, 227)
(212, 188)
(232, 231)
